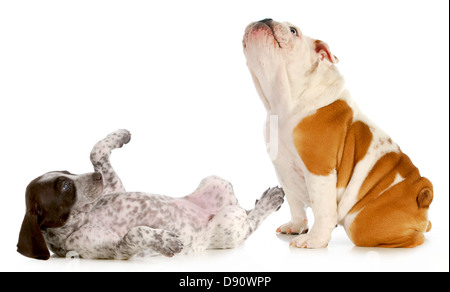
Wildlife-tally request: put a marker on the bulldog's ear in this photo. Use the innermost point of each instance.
(324, 52)
(31, 242)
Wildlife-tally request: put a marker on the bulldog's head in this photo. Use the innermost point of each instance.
(281, 59)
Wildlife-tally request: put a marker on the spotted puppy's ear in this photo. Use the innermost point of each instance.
(31, 242)
(324, 52)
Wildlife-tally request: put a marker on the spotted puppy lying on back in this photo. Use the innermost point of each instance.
(93, 216)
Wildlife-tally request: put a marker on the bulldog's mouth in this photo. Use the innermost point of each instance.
(266, 24)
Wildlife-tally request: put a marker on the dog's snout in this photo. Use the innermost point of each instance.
(97, 176)
(266, 20)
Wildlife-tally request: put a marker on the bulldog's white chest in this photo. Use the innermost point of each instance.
(281, 149)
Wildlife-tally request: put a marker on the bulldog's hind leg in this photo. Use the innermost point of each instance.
(213, 194)
(233, 225)
(100, 154)
(388, 223)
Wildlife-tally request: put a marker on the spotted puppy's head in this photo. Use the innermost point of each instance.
(50, 199)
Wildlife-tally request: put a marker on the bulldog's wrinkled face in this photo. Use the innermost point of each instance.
(268, 42)
(280, 58)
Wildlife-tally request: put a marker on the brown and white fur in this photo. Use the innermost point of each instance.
(327, 154)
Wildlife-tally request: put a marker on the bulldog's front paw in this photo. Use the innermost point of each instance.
(310, 241)
(294, 227)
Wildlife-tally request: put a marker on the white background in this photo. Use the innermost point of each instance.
(174, 74)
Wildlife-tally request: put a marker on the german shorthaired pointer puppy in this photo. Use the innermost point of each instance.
(93, 216)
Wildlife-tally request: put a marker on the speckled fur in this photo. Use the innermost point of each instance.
(120, 224)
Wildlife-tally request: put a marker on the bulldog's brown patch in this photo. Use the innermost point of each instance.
(392, 215)
(356, 145)
(328, 140)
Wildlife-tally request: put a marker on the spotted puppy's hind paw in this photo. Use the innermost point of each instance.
(271, 200)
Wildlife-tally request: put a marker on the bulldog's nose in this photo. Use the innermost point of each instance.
(266, 20)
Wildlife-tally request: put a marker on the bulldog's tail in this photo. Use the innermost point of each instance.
(424, 199)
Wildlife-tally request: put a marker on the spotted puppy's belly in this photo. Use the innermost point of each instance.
(121, 212)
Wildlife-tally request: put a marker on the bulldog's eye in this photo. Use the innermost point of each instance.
(293, 31)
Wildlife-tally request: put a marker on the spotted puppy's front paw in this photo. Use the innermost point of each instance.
(143, 237)
(102, 149)
(118, 138)
(167, 243)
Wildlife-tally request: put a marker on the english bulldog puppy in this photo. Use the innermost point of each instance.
(327, 154)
